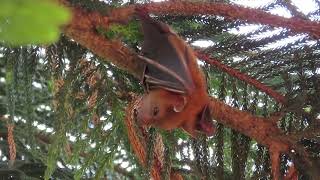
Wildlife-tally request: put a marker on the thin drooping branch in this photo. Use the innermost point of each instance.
(241, 76)
(47, 139)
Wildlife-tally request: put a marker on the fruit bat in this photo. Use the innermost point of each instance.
(176, 90)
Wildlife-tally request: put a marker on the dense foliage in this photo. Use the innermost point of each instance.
(67, 105)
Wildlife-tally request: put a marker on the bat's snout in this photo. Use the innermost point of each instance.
(142, 118)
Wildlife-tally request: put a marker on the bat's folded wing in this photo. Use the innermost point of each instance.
(166, 57)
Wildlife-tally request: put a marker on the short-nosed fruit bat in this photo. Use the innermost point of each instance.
(176, 90)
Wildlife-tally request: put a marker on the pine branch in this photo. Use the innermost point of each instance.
(237, 74)
(82, 29)
(228, 11)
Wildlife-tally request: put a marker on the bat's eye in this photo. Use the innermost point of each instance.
(135, 113)
(155, 111)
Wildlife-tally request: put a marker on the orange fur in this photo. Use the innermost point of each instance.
(164, 106)
(165, 100)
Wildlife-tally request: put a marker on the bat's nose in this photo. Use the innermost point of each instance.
(143, 119)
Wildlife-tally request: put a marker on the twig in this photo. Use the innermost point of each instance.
(241, 76)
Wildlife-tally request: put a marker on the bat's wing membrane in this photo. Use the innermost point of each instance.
(166, 61)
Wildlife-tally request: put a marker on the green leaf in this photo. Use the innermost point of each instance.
(31, 21)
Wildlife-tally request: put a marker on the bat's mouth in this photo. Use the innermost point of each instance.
(142, 120)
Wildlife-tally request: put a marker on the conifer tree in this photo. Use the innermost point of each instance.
(66, 107)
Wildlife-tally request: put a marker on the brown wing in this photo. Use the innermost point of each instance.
(166, 58)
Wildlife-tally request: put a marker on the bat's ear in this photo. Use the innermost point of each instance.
(205, 123)
(179, 103)
(208, 128)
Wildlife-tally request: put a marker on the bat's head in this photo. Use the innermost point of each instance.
(157, 105)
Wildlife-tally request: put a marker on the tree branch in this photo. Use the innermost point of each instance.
(237, 74)
(261, 129)
(228, 11)
(82, 29)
